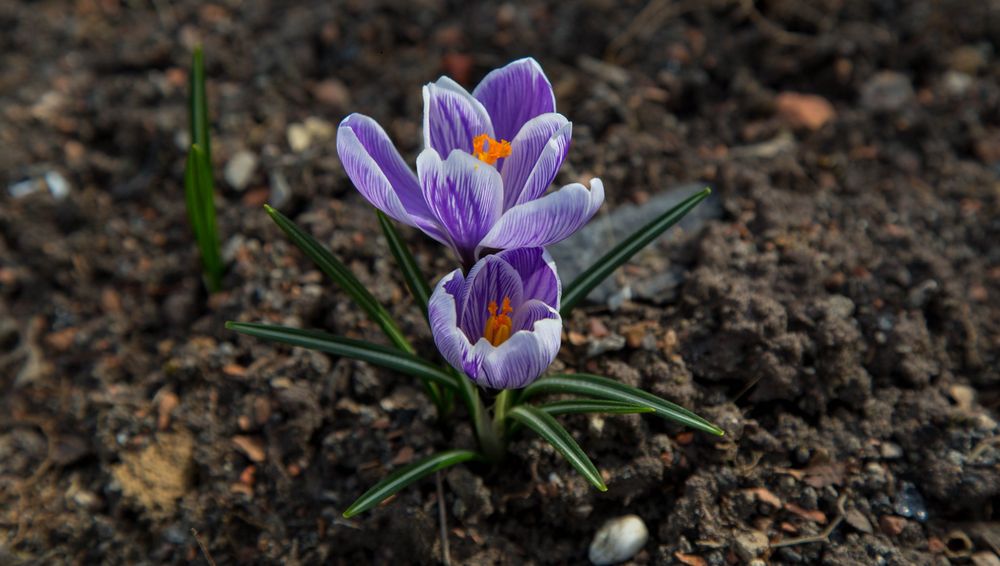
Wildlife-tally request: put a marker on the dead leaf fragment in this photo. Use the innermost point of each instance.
(159, 475)
(690, 559)
(251, 446)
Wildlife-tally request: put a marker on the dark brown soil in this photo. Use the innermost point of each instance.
(839, 319)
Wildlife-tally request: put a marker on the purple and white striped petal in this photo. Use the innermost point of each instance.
(531, 312)
(377, 170)
(452, 117)
(514, 94)
(490, 280)
(381, 176)
(537, 152)
(547, 220)
(522, 358)
(463, 194)
(442, 313)
(537, 269)
(443, 310)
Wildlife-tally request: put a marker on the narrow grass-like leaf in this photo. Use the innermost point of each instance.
(199, 192)
(383, 356)
(576, 406)
(336, 270)
(415, 279)
(546, 426)
(198, 103)
(406, 475)
(606, 265)
(604, 388)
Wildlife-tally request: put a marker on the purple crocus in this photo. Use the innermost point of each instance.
(488, 159)
(499, 324)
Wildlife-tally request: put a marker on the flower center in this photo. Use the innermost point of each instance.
(488, 150)
(497, 328)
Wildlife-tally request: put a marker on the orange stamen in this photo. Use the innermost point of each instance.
(488, 150)
(498, 326)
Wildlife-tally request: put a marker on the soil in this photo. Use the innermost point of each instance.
(838, 318)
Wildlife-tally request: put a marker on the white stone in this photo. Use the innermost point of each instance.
(299, 138)
(58, 185)
(240, 169)
(618, 540)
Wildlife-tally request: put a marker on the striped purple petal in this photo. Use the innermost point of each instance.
(537, 270)
(514, 94)
(464, 195)
(490, 280)
(547, 220)
(452, 117)
(521, 359)
(381, 176)
(537, 152)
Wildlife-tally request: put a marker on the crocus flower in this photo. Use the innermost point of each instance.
(499, 324)
(488, 159)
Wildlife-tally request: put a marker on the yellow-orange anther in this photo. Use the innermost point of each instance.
(497, 328)
(488, 150)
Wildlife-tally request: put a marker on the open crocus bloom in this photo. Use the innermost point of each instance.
(489, 157)
(499, 325)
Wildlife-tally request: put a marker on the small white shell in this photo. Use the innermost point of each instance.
(618, 540)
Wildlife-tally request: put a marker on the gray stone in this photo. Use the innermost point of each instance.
(581, 250)
(886, 91)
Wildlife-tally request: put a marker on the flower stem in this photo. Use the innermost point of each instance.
(500, 408)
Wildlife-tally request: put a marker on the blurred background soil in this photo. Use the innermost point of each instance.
(836, 310)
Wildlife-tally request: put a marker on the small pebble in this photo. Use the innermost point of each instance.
(58, 185)
(887, 91)
(909, 503)
(618, 540)
(240, 169)
(750, 544)
(299, 138)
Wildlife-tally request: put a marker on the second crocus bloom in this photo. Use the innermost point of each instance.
(500, 324)
(488, 159)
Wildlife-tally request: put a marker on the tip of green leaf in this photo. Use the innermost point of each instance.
(348, 514)
(707, 190)
(602, 487)
(230, 324)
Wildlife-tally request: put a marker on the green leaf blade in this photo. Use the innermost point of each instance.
(415, 279)
(607, 264)
(604, 388)
(582, 406)
(198, 103)
(546, 426)
(383, 356)
(405, 476)
(199, 194)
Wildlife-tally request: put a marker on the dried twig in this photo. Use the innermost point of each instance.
(824, 535)
(443, 520)
(204, 549)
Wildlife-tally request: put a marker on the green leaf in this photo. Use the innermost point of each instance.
(334, 269)
(604, 388)
(604, 267)
(199, 191)
(415, 279)
(383, 356)
(199, 104)
(407, 475)
(576, 406)
(549, 429)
